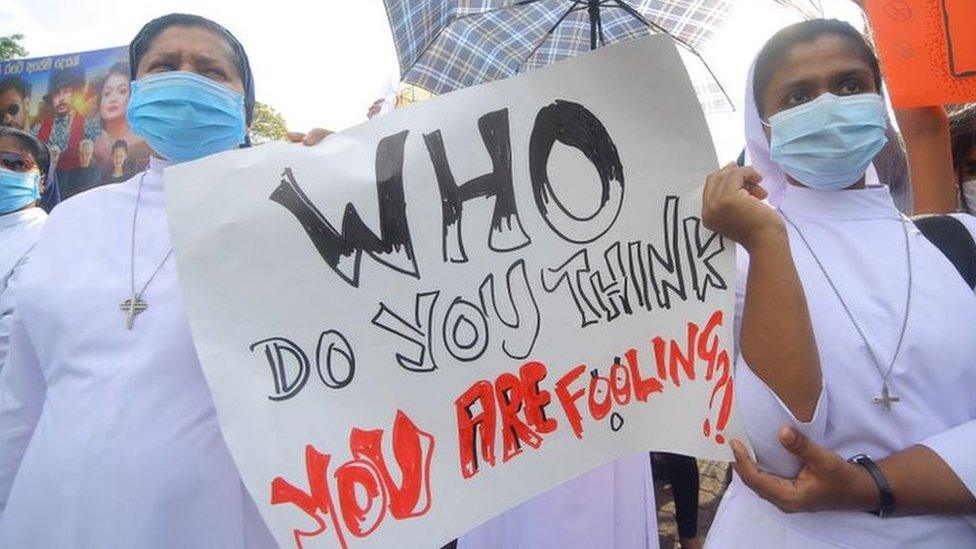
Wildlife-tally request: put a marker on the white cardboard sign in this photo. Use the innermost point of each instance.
(432, 317)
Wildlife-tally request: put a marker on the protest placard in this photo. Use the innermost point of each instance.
(928, 49)
(432, 317)
(76, 104)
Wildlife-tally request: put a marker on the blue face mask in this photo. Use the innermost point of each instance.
(18, 189)
(184, 116)
(829, 142)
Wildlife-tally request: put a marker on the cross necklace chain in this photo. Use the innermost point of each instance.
(886, 399)
(135, 304)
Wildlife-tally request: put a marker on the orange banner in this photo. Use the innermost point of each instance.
(928, 49)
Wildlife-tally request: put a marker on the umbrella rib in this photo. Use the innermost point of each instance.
(652, 25)
(548, 33)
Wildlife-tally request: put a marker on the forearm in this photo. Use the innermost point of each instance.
(926, 134)
(922, 483)
(777, 340)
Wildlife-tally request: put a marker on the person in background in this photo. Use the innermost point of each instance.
(66, 128)
(113, 100)
(23, 166)
(85, 176)
(852, 329)
(117, 170)
(14, 110)
(682, 473)
(962, 123)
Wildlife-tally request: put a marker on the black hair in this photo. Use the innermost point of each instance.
(15, 83)
(807, 31)
(31, 143)
(962, 131)
(120, 144)
(140, 44)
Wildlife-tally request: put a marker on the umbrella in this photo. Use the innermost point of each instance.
(444, 45)
(807, 8)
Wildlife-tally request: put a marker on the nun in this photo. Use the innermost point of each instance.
(873, 360)
(108, 433)
(23, 167)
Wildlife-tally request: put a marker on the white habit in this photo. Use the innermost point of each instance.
(859, 238)
(610, 507)
(113, 431)
(18, 232)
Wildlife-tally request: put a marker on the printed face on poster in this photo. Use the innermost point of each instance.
(432, 317)
(76, 104)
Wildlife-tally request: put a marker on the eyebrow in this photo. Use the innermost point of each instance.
(853, 73)
(162, 56)
(204, 59)
(799, 83)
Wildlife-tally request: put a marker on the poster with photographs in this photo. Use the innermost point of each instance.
(75, 104)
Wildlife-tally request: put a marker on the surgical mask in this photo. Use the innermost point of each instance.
(969, 194)
(18, 189)
(184, 116)
(829, 142)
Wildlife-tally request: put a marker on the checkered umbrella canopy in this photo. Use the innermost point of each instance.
(444, 45)
(806, 8)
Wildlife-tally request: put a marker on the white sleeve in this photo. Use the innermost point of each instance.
(957, 447)
(7, 309)
(761, 411)
(22, 393)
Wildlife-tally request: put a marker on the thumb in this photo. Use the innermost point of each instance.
(801, 447)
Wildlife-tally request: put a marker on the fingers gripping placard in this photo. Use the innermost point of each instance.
(430, 318)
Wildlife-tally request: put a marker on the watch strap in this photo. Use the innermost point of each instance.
(886, 501)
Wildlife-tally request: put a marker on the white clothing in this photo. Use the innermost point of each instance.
(18, 232)
(857, 235)
(610, 507)
(113, 431)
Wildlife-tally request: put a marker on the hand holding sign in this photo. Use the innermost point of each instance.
(732, 207)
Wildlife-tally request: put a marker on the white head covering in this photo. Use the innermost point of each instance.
(759, 156)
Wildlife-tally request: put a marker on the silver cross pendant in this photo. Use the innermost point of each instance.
(886, 399)
(131, 307)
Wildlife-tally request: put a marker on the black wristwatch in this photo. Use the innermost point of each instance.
(886, 503)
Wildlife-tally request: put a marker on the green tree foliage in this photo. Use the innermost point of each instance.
(268, 124)
(10, 47)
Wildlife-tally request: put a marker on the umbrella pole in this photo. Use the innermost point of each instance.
(593, 7)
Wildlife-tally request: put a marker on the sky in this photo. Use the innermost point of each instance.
(322, 63)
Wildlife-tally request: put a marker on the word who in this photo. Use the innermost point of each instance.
(572, 124)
